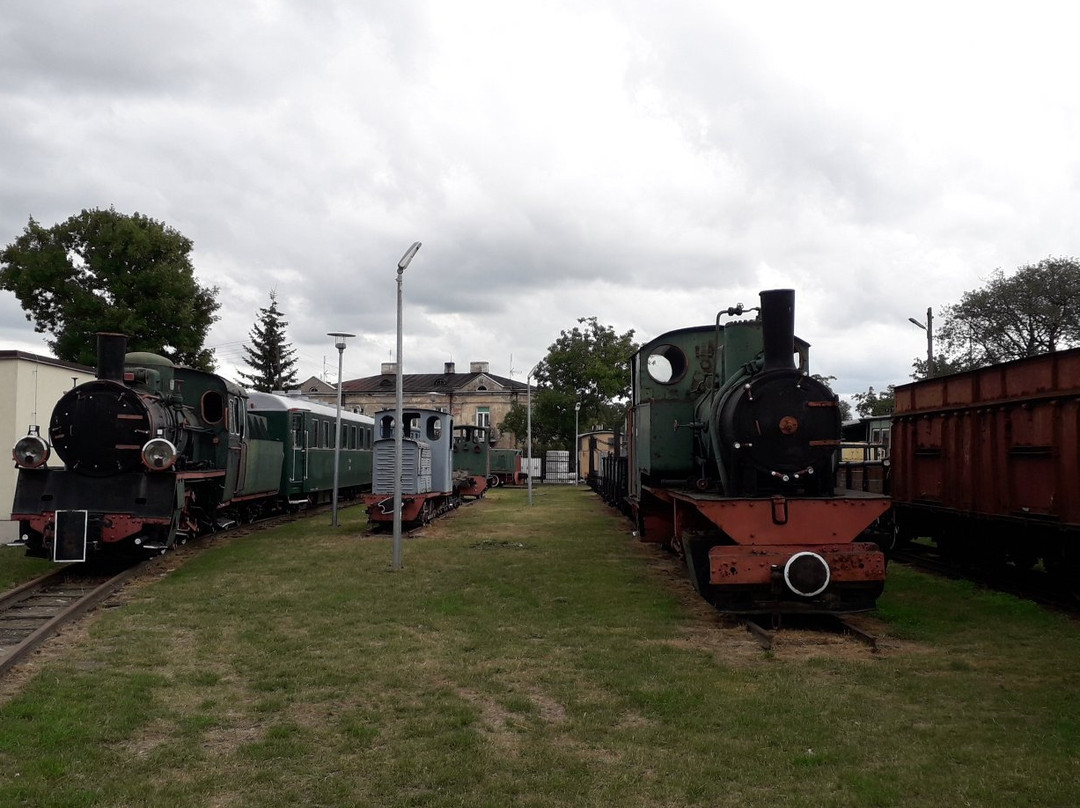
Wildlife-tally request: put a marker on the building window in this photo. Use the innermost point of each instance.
(483, 416)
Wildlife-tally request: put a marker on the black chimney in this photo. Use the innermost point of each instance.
(778, 328)
(111, 349)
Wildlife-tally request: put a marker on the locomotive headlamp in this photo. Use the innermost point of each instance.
(30, 452)
(158, 454)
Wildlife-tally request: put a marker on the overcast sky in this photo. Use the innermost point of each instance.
(645, 162)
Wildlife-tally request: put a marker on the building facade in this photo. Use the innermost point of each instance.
(478, 397)
(30, 386)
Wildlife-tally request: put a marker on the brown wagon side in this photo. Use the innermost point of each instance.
(987, 462)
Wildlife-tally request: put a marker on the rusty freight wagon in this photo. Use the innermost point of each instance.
(987, 462)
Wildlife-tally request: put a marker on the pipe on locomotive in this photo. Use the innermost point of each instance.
(111, 350)
(778, 329)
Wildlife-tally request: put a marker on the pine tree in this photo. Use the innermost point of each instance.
(272, 358)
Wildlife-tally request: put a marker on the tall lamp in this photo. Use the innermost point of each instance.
(399, 427)
(339, 343)
(929, 329)
(577, 450)
(528, 426)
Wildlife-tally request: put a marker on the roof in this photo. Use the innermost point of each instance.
(271, 402)
(46, 360)
(433, 382)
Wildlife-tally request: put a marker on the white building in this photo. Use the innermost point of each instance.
(29, 387)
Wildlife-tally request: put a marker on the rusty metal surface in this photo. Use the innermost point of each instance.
(1002, 441)
(852, 562)
(788, 521)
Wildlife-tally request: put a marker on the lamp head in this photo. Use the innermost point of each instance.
(339, 339)
(407, 257)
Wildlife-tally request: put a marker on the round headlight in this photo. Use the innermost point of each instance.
(30, 452)
(158, 454)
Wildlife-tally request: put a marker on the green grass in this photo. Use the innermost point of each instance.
(15, 567)
(532, 656)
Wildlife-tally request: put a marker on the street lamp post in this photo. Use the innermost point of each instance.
(398, 426)
(929, 329)
(339, 343)
(528, 427)
(577, 448)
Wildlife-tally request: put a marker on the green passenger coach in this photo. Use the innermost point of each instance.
(307, 430)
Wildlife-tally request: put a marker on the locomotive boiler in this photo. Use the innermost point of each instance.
(732, 453)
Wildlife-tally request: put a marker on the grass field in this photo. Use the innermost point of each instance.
(15, 567)
(530, 656)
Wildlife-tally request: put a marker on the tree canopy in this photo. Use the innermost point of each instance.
(873, 404)
(1033, 311)
(105, 271)
(271, 357)
(588, 364)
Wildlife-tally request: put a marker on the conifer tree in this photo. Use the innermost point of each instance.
(271, 358)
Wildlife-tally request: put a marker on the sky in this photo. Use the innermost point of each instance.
(644, 162)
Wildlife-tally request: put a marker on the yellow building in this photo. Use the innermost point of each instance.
(478, 397)
(30, 386)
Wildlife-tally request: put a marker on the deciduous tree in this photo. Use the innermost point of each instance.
(105, 271)
(1033, 311)
(587, 364)
(871, 403)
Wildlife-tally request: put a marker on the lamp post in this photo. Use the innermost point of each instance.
(398, 426)
(929, 329)
(339, 343)
(528, 426)
(577, 450)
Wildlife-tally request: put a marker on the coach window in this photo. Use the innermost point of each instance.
(666, 364)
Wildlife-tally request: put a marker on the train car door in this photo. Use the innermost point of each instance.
(234, 472)
(298, 470)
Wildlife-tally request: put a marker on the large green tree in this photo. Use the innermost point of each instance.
(873, 404)
(1033, 311)
(587, 365)
(270, 356)
(106, 271)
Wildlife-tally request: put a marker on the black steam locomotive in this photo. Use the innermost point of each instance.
(155, 453)
(732, 449)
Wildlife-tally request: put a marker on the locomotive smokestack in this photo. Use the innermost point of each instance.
(778, 328)
(111, 349)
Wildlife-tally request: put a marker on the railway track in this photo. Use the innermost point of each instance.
(825, 622)
(36, 610)
(31, 613)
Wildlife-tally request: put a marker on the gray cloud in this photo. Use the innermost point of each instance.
(646, 163)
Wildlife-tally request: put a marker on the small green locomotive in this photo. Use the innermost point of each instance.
(732, 453)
